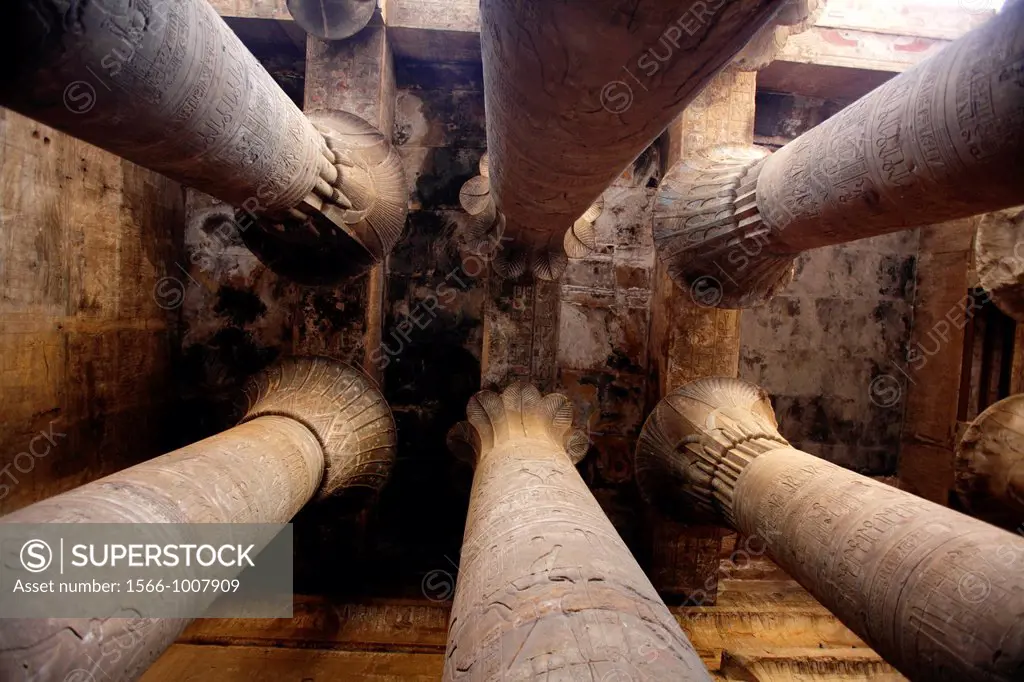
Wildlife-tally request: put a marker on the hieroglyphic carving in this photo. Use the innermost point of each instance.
(166, 84)
(939, 142)
(313, 425)
(990, 464)
(521, 315)
(722, 114)
(999, 259)
(685, 561)
(690, 339)
(332, 19)
(706, 342)
(546, 587)
(938, 594)
(565, 115)
(520, 332)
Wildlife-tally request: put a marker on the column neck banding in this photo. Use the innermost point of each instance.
(698, 440)
(347, 413)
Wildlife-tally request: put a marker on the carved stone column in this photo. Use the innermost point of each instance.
(546, 587)
(796, 16)
(990, 465)
(941, 141)
(938, 594)
(332, 19)
(999, 259)
(314, 427)
(576, 91)
(166, 84)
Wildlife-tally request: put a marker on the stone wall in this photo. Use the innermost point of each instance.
(88, 316)
(820, 346)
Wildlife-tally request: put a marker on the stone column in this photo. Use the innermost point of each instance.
(314, 427)
(999, 259)
(941, 141)
(990, 465)
(576, 91)
(166, 84)
(938, 594)
(689, 338)
(546, 587)
(332, 19)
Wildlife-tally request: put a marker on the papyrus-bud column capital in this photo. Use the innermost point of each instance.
(546, 588)
(933, 591)
(941, 141)
(168, 85)
(314, 427)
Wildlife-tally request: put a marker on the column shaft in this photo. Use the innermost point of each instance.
(313, 425)
(927, 587)
(576, 91)
(941, 141)
(262, 471)
(166, 84)
(938, 594)
(546, 587)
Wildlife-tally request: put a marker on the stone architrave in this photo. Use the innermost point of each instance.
(167, 85)
(938, 594)
(546, 587)
(941, 141)
(314, 428)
